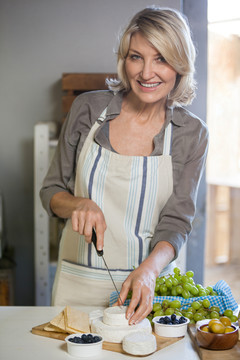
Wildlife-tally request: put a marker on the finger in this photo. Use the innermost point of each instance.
(136, 296)
(100, 230)
(75, 221)
(144, 309)
(126, 287)
(88, 231)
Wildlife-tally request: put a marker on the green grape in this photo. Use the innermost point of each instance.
(190, 273)
(228, 313)
(168, 283)
(192, 321)
(177, 270)
(163, 288)
(169, 311)
(187, 286)
(199, 286)
(202, 311)
(175, 304)
(233, 318)
(149, 317)
(198, 317)
(165, 303)
(215, 308)
(214, 293)
(184, 279)
(206, 303)
(175, 281)
(194, 290)
(191, 281)
(202, 292)
(196, 305)
(159, 312)
(210, 289)
(157, 287)
(174, 291)
(162, 280)
(178, 312)
(155, 294)
(189, 315)
(214, 315)
(179, 289)
(186, 294)
(156, 306)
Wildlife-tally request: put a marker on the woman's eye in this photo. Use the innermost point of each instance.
(161, 59)
(135, 57)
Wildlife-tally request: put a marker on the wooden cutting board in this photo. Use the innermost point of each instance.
(204, 354)
(162, 342)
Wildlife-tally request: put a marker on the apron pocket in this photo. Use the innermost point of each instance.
(78, 285)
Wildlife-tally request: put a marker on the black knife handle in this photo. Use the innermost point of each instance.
(94, 241)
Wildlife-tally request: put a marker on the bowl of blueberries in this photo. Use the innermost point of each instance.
(83, 345)
(170, 326)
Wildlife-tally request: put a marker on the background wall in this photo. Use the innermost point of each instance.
(39, 40)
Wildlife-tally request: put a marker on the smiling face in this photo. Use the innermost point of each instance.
(151, 78)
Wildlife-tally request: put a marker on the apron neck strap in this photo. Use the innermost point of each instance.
(167, 140)
(103, 115)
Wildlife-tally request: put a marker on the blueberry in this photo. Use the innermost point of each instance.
(84, 337)
(161, 321)
(96, 339)
(175, 322)
(182, 320)
(167, 320)
(173, 317)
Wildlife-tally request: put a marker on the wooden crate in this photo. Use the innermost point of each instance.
(74, 84)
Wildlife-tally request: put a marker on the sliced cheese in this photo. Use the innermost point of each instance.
(115, 316)
(115, 334)
(139, 343)
(50, 327)
(76, 320)
(59, 321)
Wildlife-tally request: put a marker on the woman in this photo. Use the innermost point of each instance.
(128, 164)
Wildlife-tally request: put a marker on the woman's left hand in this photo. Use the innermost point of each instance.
(141, 282)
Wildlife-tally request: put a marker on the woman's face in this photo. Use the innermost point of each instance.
(151, 78)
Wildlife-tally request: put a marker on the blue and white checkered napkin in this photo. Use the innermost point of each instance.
(224, 300)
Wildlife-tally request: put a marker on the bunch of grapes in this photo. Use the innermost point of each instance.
(196, 311)
(183, 285)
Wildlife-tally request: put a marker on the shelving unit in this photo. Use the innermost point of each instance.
(44, 146)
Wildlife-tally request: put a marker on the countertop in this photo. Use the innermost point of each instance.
(17, 341)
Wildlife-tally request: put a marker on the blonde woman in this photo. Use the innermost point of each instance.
(128, 164)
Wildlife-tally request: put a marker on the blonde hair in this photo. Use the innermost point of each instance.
(168, 31)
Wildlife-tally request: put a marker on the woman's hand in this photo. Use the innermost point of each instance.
(84, 213)
(87, 216)
(141, 282)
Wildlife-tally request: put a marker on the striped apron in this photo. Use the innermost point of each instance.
(131, 191)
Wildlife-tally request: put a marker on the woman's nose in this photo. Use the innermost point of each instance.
(147, 70)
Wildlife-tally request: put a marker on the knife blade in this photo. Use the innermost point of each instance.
(100, 253)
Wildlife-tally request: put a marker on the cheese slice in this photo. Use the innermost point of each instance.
(139, 343)
(115, 334)
(115, 316)
(59, 321)
(76, 320)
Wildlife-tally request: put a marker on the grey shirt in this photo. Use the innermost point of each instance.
(188, 150)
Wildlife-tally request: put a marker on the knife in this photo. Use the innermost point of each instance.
(100, 253)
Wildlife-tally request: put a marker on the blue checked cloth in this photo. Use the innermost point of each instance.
(224, 300)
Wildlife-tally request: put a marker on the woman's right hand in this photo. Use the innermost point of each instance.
(84, 213)
(87, 216)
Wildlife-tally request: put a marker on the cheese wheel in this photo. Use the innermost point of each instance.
(139, 343)
(115, 316)
(115, 334)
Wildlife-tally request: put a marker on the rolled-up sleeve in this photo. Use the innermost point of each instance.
(175, 221)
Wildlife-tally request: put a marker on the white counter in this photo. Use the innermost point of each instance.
(18, 343)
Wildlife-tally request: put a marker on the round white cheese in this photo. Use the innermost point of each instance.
(115, 334)
(115, 316)
(139, 343)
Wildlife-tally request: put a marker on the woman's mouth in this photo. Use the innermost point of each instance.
(149, 85)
